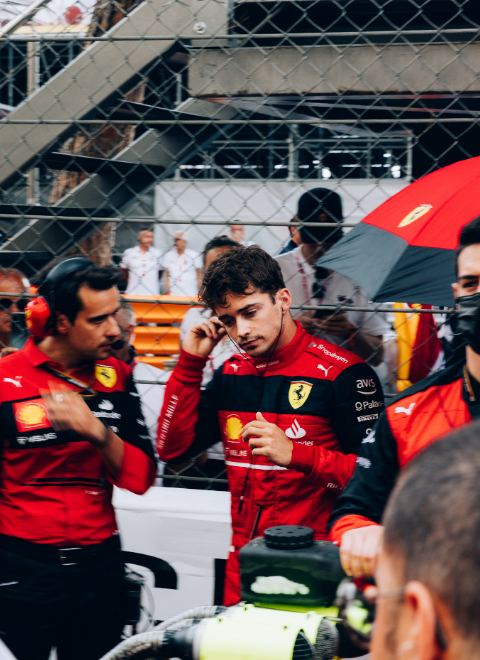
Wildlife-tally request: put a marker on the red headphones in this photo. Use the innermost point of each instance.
(40, 312)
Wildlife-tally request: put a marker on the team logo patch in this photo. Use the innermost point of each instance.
(298, 393)
(107, 376)
(31, 415)
(233, 427)
(415, 214)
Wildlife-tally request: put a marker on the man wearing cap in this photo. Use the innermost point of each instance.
(183, 268)
(360, 332)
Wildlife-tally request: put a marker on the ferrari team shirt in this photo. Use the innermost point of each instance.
(54, 487)
(299, 279)
(143, 268)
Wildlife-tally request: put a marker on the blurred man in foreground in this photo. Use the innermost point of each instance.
(428, 572)
(418, 416)
(284, 407)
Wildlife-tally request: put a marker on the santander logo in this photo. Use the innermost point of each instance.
(295, 432)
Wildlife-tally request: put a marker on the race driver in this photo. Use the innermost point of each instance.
(291, 410)
(71, 427)
(421, 414)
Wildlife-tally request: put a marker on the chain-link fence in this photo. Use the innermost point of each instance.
(198, 119)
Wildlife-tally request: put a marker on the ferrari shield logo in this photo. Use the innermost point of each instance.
(298, 393)
(105, 375)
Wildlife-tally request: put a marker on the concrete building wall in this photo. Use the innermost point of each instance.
(249, 201)
(335, 69)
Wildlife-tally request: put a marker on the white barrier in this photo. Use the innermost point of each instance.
(189, 529)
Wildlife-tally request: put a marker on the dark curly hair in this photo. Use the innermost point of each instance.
(240, 270)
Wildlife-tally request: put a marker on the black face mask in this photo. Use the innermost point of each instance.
(468, 320)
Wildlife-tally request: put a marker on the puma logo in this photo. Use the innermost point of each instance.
(234, 367)
(407, 411)
(15, 381)
(320, 366)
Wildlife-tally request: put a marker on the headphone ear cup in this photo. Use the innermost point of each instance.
(38, 318)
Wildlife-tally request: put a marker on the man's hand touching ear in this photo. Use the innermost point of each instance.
(268, 440)
(201, 339)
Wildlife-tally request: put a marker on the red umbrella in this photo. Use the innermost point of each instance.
(405, 250)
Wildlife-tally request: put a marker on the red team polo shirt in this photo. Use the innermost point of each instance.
(54, 487)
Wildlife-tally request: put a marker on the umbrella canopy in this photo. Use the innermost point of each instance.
(405, 250)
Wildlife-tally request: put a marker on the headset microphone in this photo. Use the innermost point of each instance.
(117, 345)
(40, 311)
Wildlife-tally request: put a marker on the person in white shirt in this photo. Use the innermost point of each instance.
(360, 332)
(141, 266)
(151, 396)
(183, 269)
(208, 462)
(195, 315)
(237, 232)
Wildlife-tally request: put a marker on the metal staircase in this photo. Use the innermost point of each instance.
(92, 89)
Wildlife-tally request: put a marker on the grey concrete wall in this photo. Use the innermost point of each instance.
(336, 69)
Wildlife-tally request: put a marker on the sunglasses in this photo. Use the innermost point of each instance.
(7, 303)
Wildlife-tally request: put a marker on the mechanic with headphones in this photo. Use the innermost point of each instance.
(290, 409)
(71, 427)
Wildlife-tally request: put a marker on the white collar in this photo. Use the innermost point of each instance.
(300, 259)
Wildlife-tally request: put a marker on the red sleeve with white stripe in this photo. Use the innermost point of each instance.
(178, 418)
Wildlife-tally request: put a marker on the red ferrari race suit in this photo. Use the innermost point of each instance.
(418, 416)
(323, 397)
(55, 488)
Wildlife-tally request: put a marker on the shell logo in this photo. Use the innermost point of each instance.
(32, 414)
(233, 427)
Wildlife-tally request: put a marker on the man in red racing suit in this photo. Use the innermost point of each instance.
(417, 417)
(291, 419)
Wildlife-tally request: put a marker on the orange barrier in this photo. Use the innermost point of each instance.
(158, 340)
(154, 361)
(155, 344)
(152, 309)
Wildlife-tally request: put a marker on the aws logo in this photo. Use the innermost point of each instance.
(366, 386)
(31, 415)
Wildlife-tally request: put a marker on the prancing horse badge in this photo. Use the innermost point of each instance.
(106, 375)
(298, 393)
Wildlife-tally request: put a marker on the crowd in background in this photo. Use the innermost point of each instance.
(178, 271)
